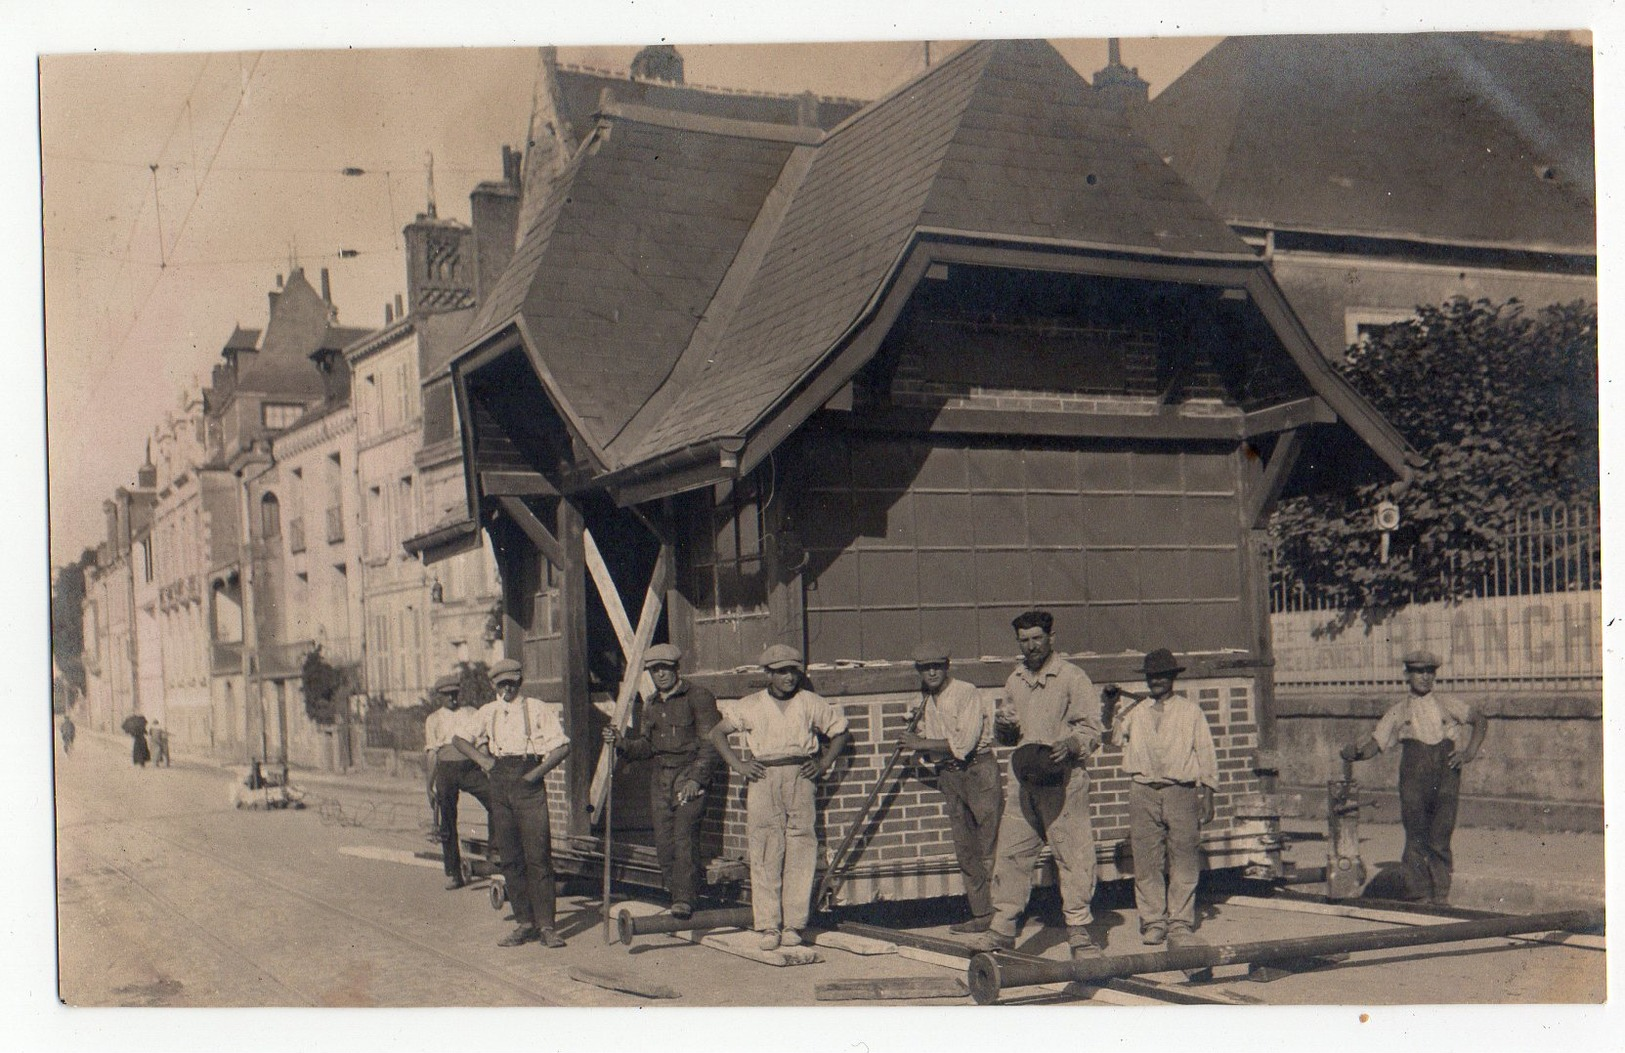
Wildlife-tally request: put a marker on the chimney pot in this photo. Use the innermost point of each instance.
(389, 313)
(400, 307)
(279, 281)
(327, 287)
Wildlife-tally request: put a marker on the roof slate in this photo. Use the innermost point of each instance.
(1433, 135)
(298, 325)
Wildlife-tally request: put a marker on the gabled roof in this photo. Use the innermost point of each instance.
(297, 326)
(581, 90)
(242, 339)
(1454, 137)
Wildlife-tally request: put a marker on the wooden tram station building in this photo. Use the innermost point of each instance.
(974, 350)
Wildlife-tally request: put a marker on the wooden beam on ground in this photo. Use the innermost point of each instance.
(544, 539)
(653, 600)
(891, 987)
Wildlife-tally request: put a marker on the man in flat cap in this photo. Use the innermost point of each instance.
(956, 735)
(674, 729)
(1440, 734)
(1052, 712)
(520, 740)
(1173, 771)
(450, 773)
(781, 727)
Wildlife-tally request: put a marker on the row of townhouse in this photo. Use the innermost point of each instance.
(314, 494)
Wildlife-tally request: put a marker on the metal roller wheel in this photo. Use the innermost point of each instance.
(499, 893)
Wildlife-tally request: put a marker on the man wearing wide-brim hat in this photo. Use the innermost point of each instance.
(520, 740)
(1173, 771)
(1440, 735)
(673, 729)
(450, 773)
(781, 727)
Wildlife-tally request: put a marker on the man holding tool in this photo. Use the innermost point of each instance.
(674, 728)
(452, 774)
(1052, 712)
(1174, 770)
(1441, 734)
(956, 734)
(520, 740)
(781, 727)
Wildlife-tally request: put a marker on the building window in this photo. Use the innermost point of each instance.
(270, 516)
(279, 415)
(726, 554)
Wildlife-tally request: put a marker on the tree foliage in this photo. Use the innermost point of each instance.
(474, 687)
(67, 618)
(1503, 403)
(326, 686)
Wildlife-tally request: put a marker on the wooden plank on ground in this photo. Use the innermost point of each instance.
(744, 944)
(621, 982)
(890, 987)
(846, 941)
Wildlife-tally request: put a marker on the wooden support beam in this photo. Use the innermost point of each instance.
(653, 600)
(1166, 423)
(534, 529)
(1287, 416)
(1261, 501)
(516, 484)
(573, 629)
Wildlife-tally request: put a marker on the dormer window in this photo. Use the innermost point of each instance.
(279, 415)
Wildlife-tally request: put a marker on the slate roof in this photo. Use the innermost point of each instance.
(1462, 138)
(440, 337)
(297, 326)
(580, 91)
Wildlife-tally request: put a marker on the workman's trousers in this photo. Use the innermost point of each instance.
(677, 831)
(780, 809)
(974, 800)
(1165, 833)
(1022, 835)
(521, 831)
(1429, 789)
(452, 778)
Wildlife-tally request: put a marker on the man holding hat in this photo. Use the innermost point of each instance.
(520, 740)
(781, 727)
(451, 773)
(1052, 712)
(674, 728)
(1173, 768)
(1440, 735)
(956, 732)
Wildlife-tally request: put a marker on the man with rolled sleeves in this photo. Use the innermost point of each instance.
(1440, 735)
(520, 740)
(674, 730)
(1173, 772)
(781, 727)
(452, 774)
(1052, 711)
(956, 734)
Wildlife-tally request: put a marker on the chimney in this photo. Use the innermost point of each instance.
(494, 207)
(400, 309)
(327, 287)
(807, 110)
(511, 159)
(439, 267)
(279, 281)
(146, 477)
(1119, 86)
(389, 313)
(110, 514)
(658, 62)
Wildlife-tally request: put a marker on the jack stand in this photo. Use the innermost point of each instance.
(1345, 871)
(1269, 972)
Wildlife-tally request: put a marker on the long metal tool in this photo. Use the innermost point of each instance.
(841, 861)
(632, 925)
(991, 973)
(609, 834)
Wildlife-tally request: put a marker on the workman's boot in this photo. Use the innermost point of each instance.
(974, 925)
(991, 941)
(455, 882)
(523, 934)
(1081, 944)
(769, 940)
(682, 911)
(550, 938)
(790, 938)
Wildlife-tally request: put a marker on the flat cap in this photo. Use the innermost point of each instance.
(1161, 662)
(780, 655)
(929, 652)
(507, 669)
(662, 654)
(1422, 660)
(447, 685)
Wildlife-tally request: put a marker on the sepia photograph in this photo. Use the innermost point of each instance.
(1026, 521)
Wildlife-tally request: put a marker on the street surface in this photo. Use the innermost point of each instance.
(169, 896)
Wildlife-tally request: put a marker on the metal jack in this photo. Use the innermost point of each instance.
(1345, 871)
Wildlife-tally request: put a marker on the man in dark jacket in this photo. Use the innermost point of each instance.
(673, 728)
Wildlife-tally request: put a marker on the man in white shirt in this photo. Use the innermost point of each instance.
(1173, 770)
(956, 734)
(520, 740)
(781, 727)
(1441, 734)
(450, 773)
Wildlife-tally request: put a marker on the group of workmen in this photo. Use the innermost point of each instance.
(1049, 712)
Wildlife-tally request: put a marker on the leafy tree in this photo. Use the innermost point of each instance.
(1503, 403)
(474, 684)
(67, 618)
(326, 686)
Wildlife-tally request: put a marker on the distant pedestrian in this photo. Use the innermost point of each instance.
(520, 740)
(68, 732)
(450, 773)
(1440, 734)
(135, 726)
(1173, 771)
(956, 736)
(781, 727)
(158, 736)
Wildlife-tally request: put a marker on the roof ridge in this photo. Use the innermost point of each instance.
(715, 89)
(929, 71)
(712, 124)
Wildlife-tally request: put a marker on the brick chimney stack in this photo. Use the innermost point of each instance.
(494, 206)
(1120, 86)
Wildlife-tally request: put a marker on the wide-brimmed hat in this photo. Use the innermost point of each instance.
(662, 654)
(1421, 660)
(507, 670)
(1032, 765)
(780, 656)
(1161, 662)
(929, 652)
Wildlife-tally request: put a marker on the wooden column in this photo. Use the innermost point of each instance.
(573, 627)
